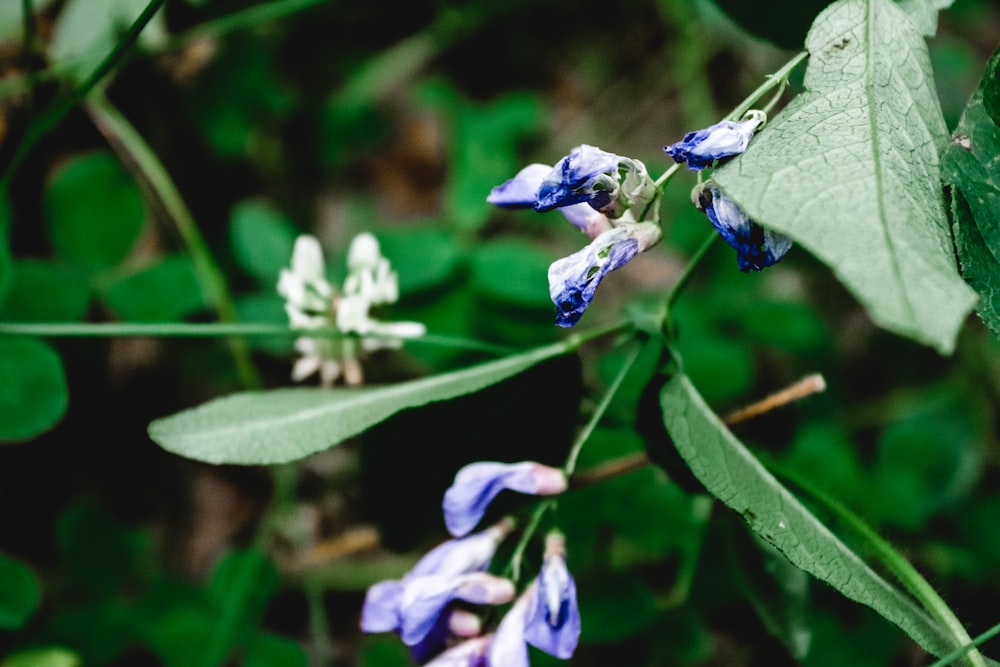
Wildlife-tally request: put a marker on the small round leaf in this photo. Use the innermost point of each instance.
(33, 394)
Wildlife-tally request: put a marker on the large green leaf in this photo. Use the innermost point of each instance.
(262, 427)
(735, 476)
(849, 169)
(972, 168)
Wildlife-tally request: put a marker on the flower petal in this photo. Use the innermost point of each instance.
(553, 619)
(424, 598)
(470, 653)
(577, 178)
(508, 648)
(380, 612)
(477, 484)
(756, 248)
(700, 149)
(461, 556)
(520, 191)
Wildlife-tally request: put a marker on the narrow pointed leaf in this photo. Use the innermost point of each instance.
(850, 170)
(972, 168)
(734, 475)
(277, 426)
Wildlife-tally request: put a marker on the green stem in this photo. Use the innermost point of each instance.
(150, 172)
(517, 557)
(894, 562)
(777, 79)
(599, 411)
(28, 25)
(695, 260)
(955, 655)
(47, 121)
(239, 20)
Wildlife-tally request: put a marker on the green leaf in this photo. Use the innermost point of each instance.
(87, 30)
(924, 13)
(267, 650)
(602, 601)
(849, 169)
(971, 167)
(243, 583)
(513, 273)
(43, 657)
(733, 475)
(424, 258)
(262, 427)
(262, 240)
(20, 593)
(44, 291)
(33, 393)
(94, 211)
(167, 291)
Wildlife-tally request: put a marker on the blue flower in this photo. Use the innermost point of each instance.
(553, 619)
(415, 606)
(700, 149)
(477, 484)
(573, 280)
(607, 183)
(755, 246)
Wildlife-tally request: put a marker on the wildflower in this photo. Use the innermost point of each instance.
(470, 653)
(521, 191)
(313, 303)
(701, 149)
(755, 246)
(573, 280)
(416, 605)
(553, 620)
(477, 484)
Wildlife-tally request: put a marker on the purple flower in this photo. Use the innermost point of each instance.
(508, 648)
(553, 619)
(477, 484)
(607, 183)
(755, 246)
(470, 653)
(414, 606)
(573, 280)
(700, 149)
(521, 191)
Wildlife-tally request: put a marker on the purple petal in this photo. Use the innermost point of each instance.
(573, 280)
(520, 191)
(700, 149)
(553, 620)
(424, 599)
(470, 653)
(508, 648)
(380, 612)
(477, 484)
(573, 179)
(461, 556)
(756, 248)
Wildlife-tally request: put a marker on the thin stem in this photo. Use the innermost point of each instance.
(319, 622)
(695, 260)
(978, 641)
(529, 531)
(140, 158)
(28, 25)
(776, 79)
(807, 386)
(44, 124)
(599, 411)
(239, 20)
(901, 569)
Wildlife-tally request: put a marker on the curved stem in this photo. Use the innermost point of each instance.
(692, 264)
(143, 162)
(955, 655)
(777, 79)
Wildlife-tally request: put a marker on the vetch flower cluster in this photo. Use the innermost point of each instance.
(608, 197)
(312, 302)
(420, 606)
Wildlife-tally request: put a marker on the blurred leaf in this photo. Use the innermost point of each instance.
(181, 635)
(872, 643)
(837, 158)
(166, 291)
(615, 607)
(98, 552)
(239, 95)
(42, 657)
(94, 211)
(921, 466)
(262, 240)
(45, 291)
(512, 272)
(288, 424)
(822, 454)
(733, 475)
(20, 593)
(6, 259)
(424, 258)
(267, 650)
(265, 308)
(380, 651)
(87, 30)
(242, 584)
(724, 366)
(970, 167)
(788, 325)
(34, 396)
